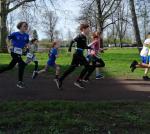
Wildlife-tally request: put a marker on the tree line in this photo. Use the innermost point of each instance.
(116, 18)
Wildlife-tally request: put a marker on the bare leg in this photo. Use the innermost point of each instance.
(141, 65)
(43, 70)
(97, 71)
(57, 70)
(146, 70)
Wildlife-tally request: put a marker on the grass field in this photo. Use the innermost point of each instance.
(74, 118)
(60, 117)
(117, 62)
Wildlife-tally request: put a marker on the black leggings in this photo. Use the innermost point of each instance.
(36, 66)
(96, 62)
(21, 65)
(78, 59)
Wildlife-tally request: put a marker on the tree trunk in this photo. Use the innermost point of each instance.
(100, 22)
(121, 42)
(135, 24)
(4, 32)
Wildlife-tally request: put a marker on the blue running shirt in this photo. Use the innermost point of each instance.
(18, 39)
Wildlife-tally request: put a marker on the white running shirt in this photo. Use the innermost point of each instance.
(144, 51)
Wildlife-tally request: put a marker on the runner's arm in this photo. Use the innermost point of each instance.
(72, 42)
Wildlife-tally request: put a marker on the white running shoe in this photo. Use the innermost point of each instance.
(79, 84)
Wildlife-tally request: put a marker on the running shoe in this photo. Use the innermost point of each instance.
(20, 84)
(133, 65)
(79, 84)
(86, 80)
(100, 76)
(146, 78)
(34, 75)
(58, 83)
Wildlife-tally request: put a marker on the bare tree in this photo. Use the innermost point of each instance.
(6, 7)
(135, 23)
(121, 24)
(142, 11)
(49, 23)
(103, 9)
(4, 11)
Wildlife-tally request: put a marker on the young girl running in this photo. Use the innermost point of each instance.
(53, 54)
(144, 57)
(19, 41)
(31, 57)
(78, 57)
(93, 56)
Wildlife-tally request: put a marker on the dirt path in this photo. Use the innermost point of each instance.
(43, 88)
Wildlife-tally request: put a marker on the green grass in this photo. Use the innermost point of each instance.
(74, 117)
(117, 62)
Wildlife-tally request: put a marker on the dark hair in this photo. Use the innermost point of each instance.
(84, 26)
(19, 25)
(54, 44)
(33, 40)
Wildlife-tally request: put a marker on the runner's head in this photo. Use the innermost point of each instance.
(95, 35)
(84, 28)
(34, 41)
(56, 44)
(147, 42)
(22, 26)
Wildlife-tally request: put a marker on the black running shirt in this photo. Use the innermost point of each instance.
(81, 41)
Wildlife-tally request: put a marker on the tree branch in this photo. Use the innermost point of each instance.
(19, 4)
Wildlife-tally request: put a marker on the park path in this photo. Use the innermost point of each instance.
(43, 88)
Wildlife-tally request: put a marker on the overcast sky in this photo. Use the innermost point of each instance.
(67, 11)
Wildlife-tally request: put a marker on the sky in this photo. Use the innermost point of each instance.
(67, 11)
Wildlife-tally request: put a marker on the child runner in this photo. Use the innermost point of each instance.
(19, 41)
(93, 56)
(145, 77)
(53, 54)
(78, 57)
(144, 57)
(31, 57)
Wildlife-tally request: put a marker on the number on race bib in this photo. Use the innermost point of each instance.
(18, 50)
(29, 55)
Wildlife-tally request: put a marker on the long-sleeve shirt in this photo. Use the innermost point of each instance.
(33, 48)
(81, 41)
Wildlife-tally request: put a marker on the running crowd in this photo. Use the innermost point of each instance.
(20, 42)
(91, 62)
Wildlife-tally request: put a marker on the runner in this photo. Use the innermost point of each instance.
(78, 57)
(93, 58)
(53, 55)
(31, 57)
(19, 40)
(144, 57)
(145, 77)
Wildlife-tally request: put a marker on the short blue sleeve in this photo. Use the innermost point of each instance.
(12, 36)
(54, 52)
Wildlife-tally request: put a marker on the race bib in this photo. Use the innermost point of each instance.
(18, 50)
(29, 55)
